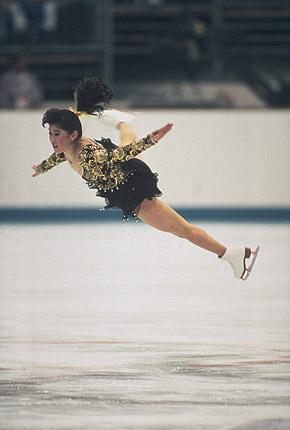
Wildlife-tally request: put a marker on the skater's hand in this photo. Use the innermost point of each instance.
(158, 134)
(35, 167)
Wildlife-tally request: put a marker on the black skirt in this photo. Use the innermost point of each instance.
(141, 184)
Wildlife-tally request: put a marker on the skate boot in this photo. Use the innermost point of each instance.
(114, 117)
(237, 259)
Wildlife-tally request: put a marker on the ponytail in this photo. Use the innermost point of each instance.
(91, 95)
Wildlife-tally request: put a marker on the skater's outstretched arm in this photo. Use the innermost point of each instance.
(124, 153)
(49, 163)
(133, 149)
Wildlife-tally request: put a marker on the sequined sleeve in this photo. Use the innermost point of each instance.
(50, 162)
(90, 155)
(125, 153)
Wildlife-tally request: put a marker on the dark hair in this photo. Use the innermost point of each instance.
(64, 118)
(91, 95)
(89, 92)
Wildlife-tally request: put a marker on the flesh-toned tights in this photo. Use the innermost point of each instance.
(159, 215)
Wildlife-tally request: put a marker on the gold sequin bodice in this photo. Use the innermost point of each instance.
(101, 167)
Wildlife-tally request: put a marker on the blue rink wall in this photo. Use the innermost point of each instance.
(214, 165)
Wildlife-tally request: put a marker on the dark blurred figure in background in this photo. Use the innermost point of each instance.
(28, 21)
(196, 42)
(19, 88)
(47, 21)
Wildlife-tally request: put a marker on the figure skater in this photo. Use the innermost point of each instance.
(115, 172)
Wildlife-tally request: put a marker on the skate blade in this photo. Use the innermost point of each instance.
(248, 270)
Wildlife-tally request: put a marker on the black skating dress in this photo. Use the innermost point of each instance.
(121, 179)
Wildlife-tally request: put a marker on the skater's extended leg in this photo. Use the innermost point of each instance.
(161, 216)
(127, 133)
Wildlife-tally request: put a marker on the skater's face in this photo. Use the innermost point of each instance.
(60, 139)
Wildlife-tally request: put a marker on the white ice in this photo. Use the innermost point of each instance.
(119, 326)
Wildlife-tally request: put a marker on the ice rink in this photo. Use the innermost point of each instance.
(119, 326)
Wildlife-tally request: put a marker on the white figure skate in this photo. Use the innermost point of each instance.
(237, 259)
(114, 117)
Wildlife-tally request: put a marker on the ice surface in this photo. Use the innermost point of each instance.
(119, 326)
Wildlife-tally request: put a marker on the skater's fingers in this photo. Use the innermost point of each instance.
(165, 128)
(34, 167)
(168, 126)
(158, 134)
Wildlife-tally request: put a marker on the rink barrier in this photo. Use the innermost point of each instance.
(38, 215)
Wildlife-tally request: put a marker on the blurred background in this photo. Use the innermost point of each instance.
(218, 69)
(162, 53)
(117, 325)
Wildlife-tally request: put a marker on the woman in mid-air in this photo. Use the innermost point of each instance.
(124, 180)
